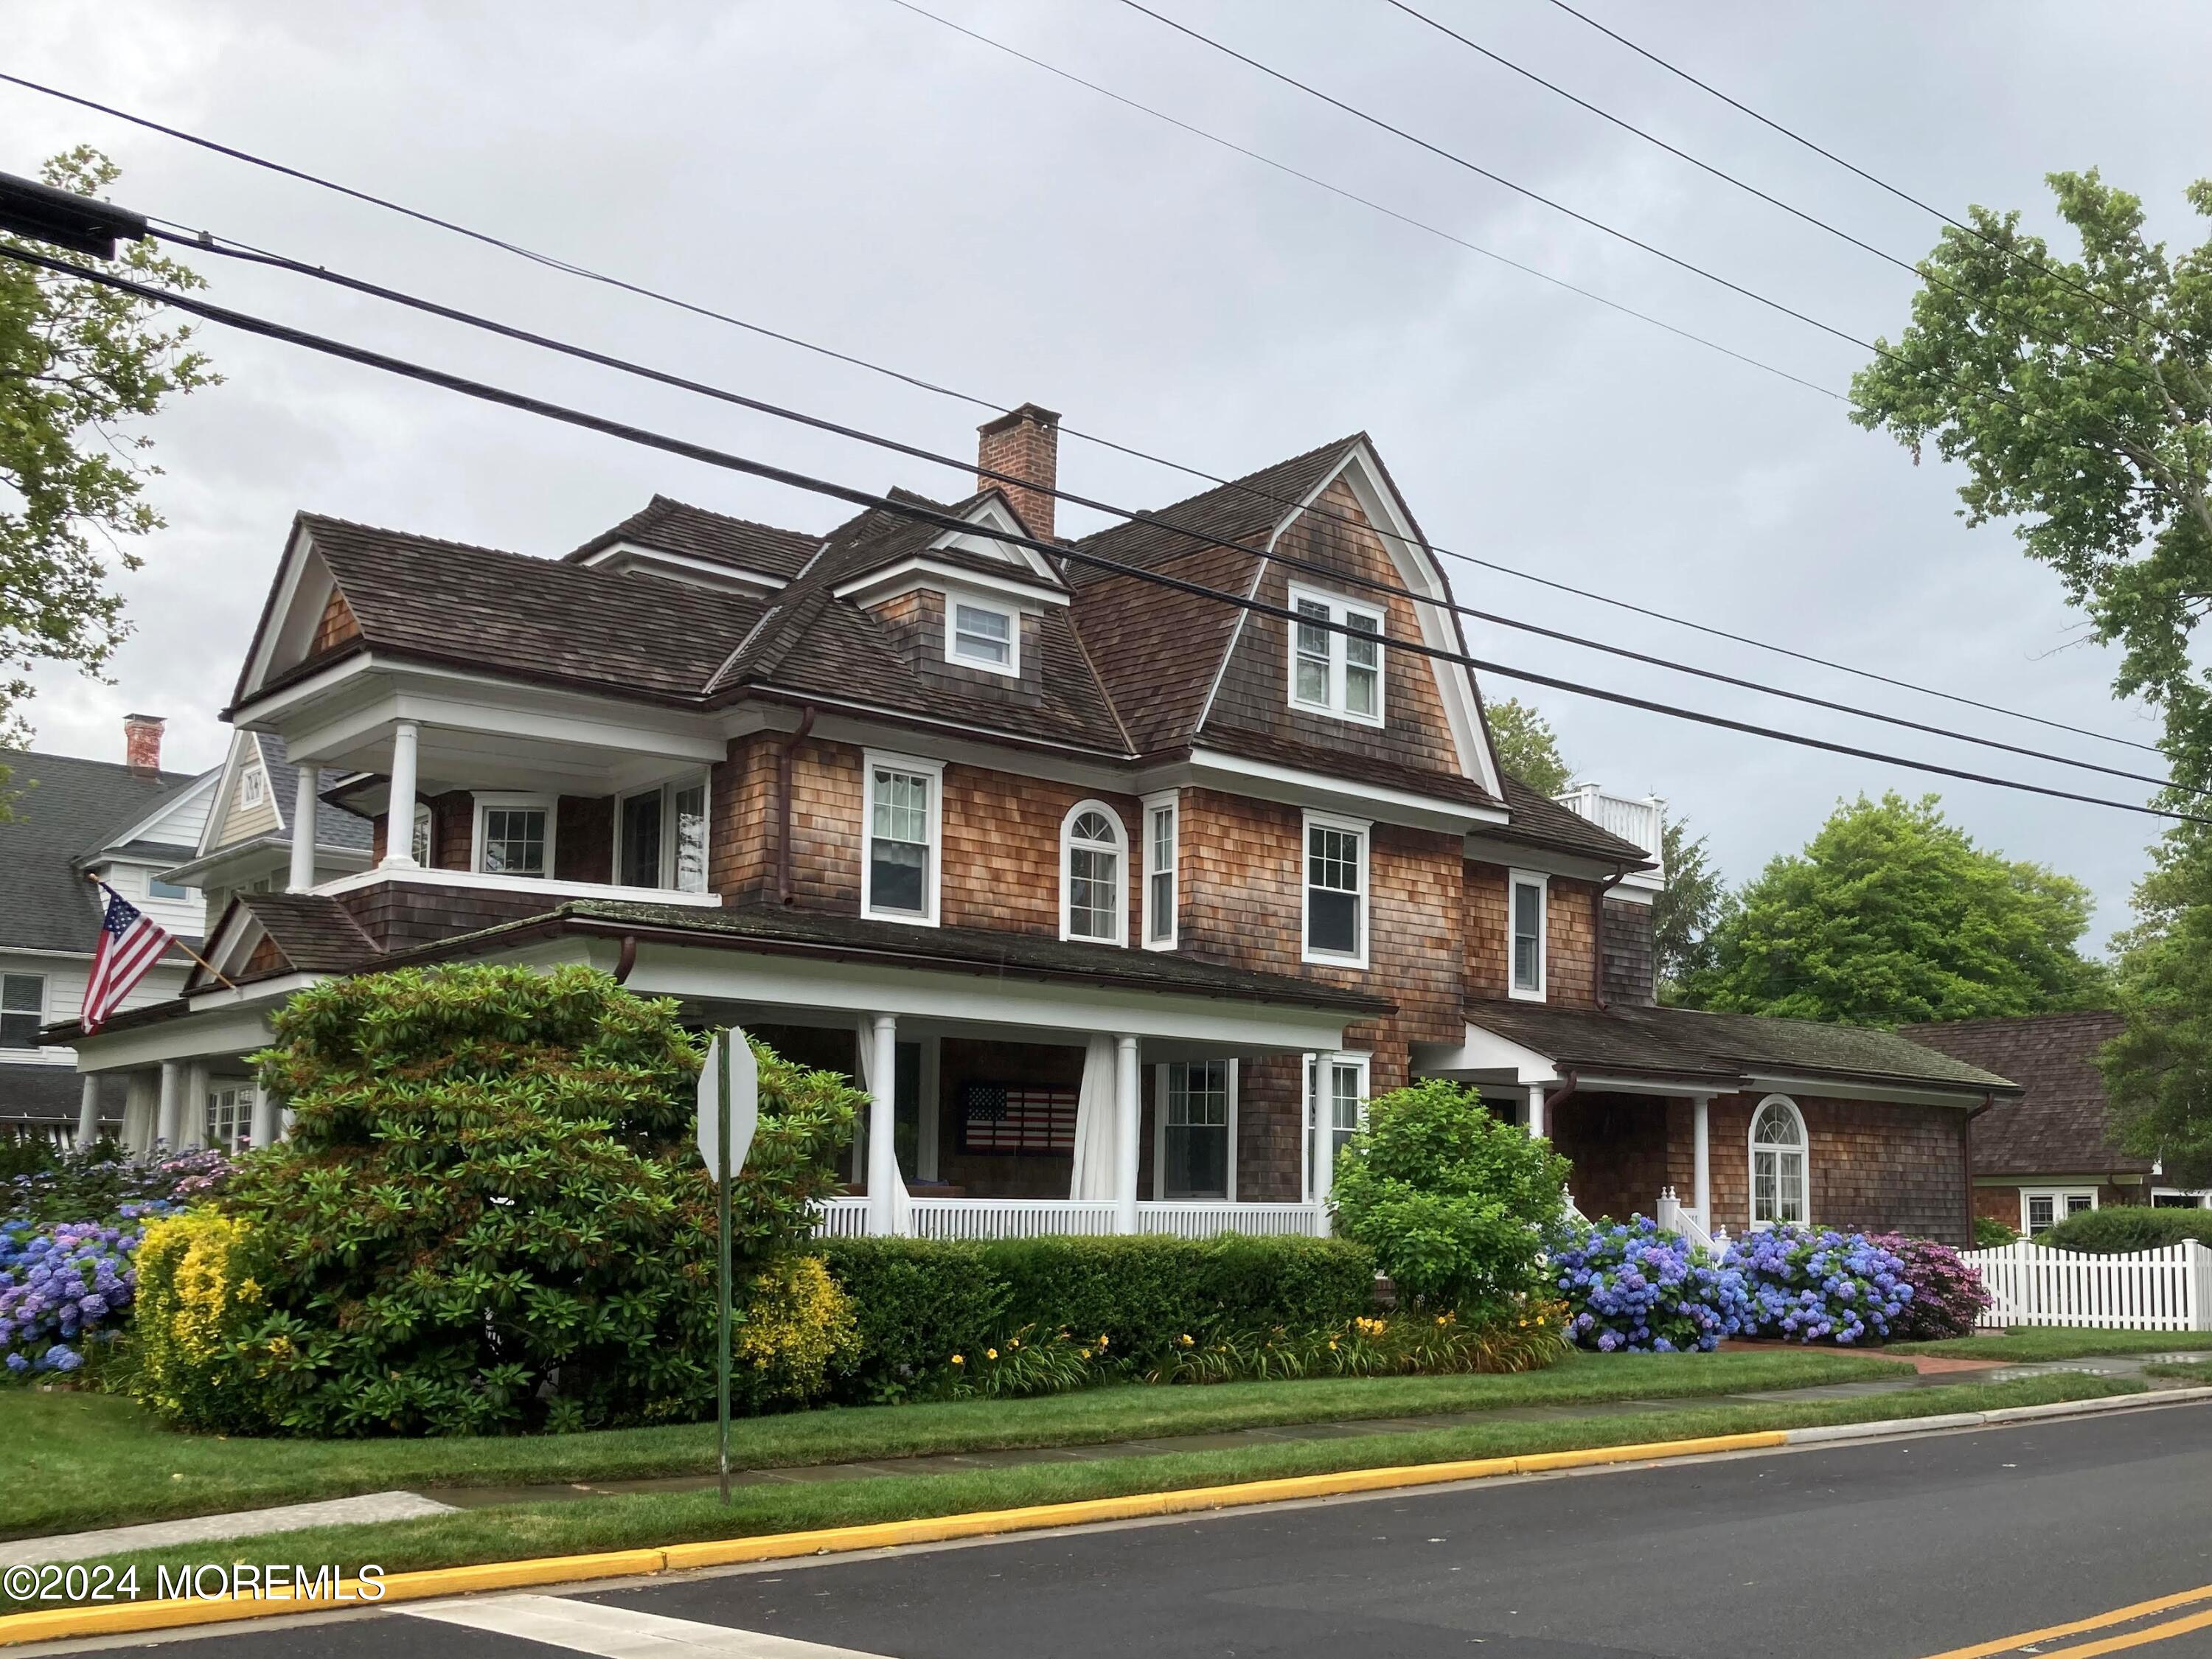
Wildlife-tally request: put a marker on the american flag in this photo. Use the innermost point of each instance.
(1013, 1117)
(129, 946)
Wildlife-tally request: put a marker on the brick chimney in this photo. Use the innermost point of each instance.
(142, 743)
(1023, 443)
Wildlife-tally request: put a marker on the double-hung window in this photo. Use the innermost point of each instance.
(424, 849)
(1194, 1152)
(1336, 657)
(229, 1118)
(900, 858)
(514, 835)
(1526, 897)
(1092, 905)
(980, 635)
(1162, 899)
(2043, 1208)
(22, 1009)
(1335, 869)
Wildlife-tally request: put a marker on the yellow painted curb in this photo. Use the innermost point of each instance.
(64, 1624)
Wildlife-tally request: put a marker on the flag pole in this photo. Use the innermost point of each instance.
(174, 939)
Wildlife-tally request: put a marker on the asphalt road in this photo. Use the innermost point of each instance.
(1906, 1548)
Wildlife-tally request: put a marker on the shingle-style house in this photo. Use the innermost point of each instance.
(125, 822)
(2050, 1152)
(1119, 901)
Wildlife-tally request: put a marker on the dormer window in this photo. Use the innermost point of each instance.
(1333, 671)
(982, 635)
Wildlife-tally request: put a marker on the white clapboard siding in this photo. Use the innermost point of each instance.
(2164, 1290)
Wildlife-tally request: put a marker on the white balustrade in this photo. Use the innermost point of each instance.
(1675, 1217)
(2165, 1289)
(1640, 820)
(1039, 1218)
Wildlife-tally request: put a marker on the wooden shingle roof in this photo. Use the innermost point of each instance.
(2063, 1124)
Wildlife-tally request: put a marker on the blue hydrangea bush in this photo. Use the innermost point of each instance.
(65, 1289)
(1815, 1284)
(1631, 1287)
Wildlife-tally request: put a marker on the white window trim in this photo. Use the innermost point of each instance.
(252, 787)
(2057, 1195)
(1542, 883)
(425, 830)
(1011, 668)
(552, 808)
(933, 866)
(1121, 936)
(1751, 1163)
(1170, 802)
(667, 789)
(1366, 829)
(1312, 1067)
(1160, 1139)
(46, 998)
(1339, 607)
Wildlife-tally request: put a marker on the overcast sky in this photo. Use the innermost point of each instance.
(850, 172)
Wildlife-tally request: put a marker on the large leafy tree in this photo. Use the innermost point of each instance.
(81, 366)
(2158, 1072)
(1527, 746)
(1892, 915)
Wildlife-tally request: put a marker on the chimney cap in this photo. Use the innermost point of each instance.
(1036, 413)
(148, 719)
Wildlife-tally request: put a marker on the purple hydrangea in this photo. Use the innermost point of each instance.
(1809, 1284)
(71, 1283)
(1631, 1286)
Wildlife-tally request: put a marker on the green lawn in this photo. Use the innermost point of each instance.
(639, 1522)
(2028, 1343)
(70, 1462)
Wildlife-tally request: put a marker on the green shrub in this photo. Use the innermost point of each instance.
(491, 1215)
(1991, 1234)
(1455, 1202)
(2121, 1228)
(918, 1302)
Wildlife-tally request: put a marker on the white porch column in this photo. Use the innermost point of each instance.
(193, 1130)
(883, 1109)
(303, 826)
(1321, 1110)
(1535, 1110)
(1128, 1108)
(169, 1121)
(1700, 1120)
(262, 1131)
(399, 813)
(88, 1111)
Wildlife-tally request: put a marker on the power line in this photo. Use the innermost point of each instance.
(269, 329)
(1878, 182)
(676, 302)
(357, 285)
(1500, 179)
(1339, 191)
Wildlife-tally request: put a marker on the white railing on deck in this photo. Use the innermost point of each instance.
(1641, 820)
(1038, 1218)
(2167, 1290)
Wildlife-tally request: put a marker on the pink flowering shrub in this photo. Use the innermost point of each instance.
(1947, 1294)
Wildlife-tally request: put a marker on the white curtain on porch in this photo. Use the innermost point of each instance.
(864, 1042)
(1093, 1176)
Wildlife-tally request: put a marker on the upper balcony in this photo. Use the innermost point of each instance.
(1639, 819)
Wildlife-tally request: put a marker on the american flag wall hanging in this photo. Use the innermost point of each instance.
(1018, 1118)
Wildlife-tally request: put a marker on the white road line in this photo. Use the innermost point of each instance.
(618, 1632)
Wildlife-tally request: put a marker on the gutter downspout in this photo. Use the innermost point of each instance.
(1966, 1160)
(783, 786)
(626, 960)
(1597, 965)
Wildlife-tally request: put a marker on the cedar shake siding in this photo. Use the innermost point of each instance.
(1631, 961)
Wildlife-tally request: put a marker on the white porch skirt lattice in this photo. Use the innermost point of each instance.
(1036, 1218)
(2167, 1290)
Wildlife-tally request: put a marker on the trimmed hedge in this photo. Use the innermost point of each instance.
(2122, 1228)
(918, 1302)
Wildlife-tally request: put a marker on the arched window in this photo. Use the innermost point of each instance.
(1093, 848)
(1781, 1180)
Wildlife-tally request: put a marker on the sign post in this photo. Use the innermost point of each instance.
(729, 1110)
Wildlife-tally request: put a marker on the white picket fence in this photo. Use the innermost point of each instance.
(1038, 1218)
(2167, 1290)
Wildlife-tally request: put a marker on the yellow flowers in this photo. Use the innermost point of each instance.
(990, 1353)
(1102, 1340)
(1184, 1339)
(959, 1359)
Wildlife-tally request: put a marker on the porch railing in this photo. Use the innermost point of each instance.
(1038, 1218)
(1675, 1217)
